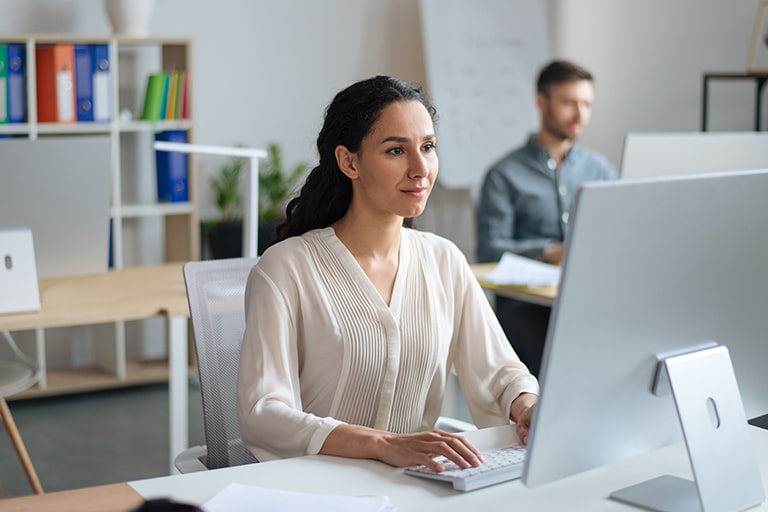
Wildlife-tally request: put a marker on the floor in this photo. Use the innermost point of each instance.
(93, 438)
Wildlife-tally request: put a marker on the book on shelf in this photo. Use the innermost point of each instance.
(56, 83)
(182, 95)
(17, 83)
(100, 82)
(172, 169)
(173, 87)
(185, 96)
(83, 83)
(153, 97)
(166, 96)
(92, 83)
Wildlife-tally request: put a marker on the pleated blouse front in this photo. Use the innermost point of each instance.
(321, 346)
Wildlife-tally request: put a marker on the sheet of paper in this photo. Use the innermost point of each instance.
(514, 270)
(237, 497)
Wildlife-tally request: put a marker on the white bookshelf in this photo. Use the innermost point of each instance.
(174, 227)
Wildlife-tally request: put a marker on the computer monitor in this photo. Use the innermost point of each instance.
(650, 155)
(658, 267)
(60, 190)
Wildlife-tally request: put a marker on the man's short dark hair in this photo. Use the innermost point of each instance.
(559, 71)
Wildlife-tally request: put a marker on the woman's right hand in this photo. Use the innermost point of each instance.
(421, 448)
(401, 450)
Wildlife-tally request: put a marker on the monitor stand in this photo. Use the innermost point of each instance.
(726, 472)
(760, 421)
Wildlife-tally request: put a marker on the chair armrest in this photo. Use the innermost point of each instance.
(191, 460)
(453, 425)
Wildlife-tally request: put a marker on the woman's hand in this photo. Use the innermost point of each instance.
(401, 450)
(521, 412)
(421, 448)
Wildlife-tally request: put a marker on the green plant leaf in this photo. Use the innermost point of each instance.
(226, 187)
(275, 184)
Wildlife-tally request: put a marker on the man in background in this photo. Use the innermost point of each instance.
(526, 197)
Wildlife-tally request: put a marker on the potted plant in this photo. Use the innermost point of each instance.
(276, 184)
(225, 235)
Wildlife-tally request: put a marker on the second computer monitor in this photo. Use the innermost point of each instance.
(650, 155)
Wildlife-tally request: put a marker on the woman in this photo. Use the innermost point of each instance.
(354, 321)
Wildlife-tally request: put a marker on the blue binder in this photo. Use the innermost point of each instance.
(172, 175)
(3, 84)
(83, 83)
(100, 73)
(17, 83)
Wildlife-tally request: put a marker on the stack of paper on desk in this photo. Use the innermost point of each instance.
(241, 498)
(514, 270)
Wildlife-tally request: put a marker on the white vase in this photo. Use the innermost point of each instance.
(129, 17)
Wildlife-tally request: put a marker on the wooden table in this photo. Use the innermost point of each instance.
(544, 296)
(133, 293)
(113, 497)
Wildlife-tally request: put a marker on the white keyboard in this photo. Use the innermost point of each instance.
(501, 465)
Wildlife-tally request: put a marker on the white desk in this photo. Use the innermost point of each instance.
(543, 296)
(586, 491)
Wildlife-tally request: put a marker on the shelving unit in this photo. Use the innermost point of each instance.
(173, 227)
(758, 78)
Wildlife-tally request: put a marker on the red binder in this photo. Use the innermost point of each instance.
(56, 84)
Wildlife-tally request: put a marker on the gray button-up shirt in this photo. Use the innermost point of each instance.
(525, 199)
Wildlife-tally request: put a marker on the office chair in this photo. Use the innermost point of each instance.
(17, 373)
(215, 290)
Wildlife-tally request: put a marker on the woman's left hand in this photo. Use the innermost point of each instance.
(521, 412)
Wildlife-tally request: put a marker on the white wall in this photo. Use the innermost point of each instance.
(262, 71)
(648, 58)
(265, 70)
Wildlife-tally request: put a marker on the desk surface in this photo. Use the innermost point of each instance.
(543, 296)
(130, 293)
(332, 475)
(114, 497)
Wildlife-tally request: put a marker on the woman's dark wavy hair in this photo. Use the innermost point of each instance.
(327, 193)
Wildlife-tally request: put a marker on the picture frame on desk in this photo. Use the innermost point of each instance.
(758, 49)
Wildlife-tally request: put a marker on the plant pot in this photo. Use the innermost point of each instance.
(225, 239)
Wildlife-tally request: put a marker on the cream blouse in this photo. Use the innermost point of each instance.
(321, 347)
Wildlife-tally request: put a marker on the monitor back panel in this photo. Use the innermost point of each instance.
(651, 266)
(60, 189)
(19, 291)
(650, 155)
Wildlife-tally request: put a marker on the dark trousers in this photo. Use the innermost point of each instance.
(525, 325)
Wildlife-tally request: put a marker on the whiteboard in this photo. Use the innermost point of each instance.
(649, 155)
(482, 61)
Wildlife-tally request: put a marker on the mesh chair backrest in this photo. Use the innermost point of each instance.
(215, 290)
